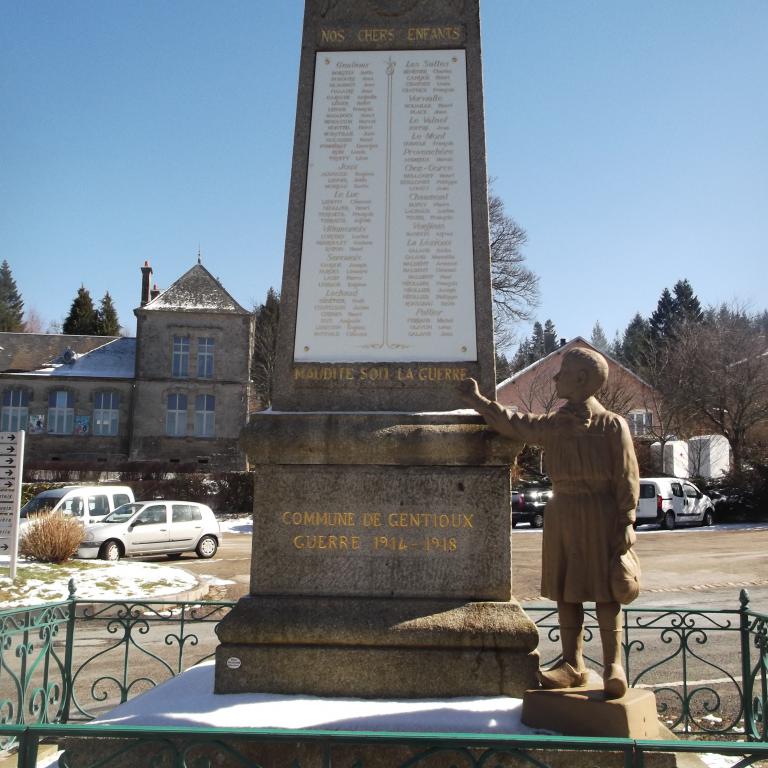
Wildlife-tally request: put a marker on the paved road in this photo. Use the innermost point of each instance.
(702, 566)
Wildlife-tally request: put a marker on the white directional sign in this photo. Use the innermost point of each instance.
(11, 467)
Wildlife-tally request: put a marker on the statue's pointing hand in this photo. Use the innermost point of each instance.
(470, 393)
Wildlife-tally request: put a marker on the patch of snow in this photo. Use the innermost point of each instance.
(215, 581)
(718, 761)
(126, 579)
(188, 701)
(237, 525)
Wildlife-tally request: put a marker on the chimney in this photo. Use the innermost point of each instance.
(146, 274)
(562, 341)
(154, 293)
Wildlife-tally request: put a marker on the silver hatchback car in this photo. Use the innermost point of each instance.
(152, 528)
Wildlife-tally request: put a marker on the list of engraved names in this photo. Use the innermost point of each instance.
(387, 266)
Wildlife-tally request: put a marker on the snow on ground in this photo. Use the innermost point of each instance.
(188, 701)
(237, 525)
(45, 583)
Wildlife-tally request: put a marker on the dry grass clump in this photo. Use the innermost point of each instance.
(51, 538)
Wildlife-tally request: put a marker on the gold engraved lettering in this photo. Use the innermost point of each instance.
(437, 544)
(327, 519)
(370, 35)
(429, 520)
(318, 542)
(371, 519)
(391, 543)
(332, 35)
(433, 34)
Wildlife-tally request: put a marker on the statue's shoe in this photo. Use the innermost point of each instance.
(563, 675)
(614, 682)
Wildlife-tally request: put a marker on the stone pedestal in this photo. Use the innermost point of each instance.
(585, 712)
(381, 562)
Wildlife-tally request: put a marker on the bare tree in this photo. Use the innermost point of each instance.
(515, 287)
(721, 365)
(264, 355)
(33, 322)
(619, 393)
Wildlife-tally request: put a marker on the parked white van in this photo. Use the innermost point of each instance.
(88, 503)
(671, 501)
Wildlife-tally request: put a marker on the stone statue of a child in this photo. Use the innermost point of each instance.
(589, 522)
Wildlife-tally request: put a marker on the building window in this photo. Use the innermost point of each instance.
(106, 413)
(640, 423)
(15, 412)
(176, 416)
(205, 346)
(180, 364)
(205, 415)
(61, 413)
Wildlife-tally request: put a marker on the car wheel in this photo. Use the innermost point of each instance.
(110, 550)
(669, 521)
(709, 518)
(537, 521)
(207, 547)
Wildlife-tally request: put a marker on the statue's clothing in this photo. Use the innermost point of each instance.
(591, 462)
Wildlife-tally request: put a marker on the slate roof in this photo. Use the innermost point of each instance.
(197, 290)
(20, 352)
(114, 360)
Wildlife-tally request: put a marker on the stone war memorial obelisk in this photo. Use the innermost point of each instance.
(381, 563)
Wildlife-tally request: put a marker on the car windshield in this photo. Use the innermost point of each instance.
(121, 514)
(41, 503)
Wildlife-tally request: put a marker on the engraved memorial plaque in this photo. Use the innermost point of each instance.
(387, 254)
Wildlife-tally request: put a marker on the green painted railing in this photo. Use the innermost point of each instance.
(67, 662)
(246, 748)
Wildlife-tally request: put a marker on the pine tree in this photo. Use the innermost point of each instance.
(636, 343)
(598, 339)
(538, 347)
(107, 323)
(503, 367)
(687, 307)
(267, 316)
(550, 337)
(523, 357)
(11, 304)
(663, 318)
(82, 318)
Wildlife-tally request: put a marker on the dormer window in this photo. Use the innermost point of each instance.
(180, 362)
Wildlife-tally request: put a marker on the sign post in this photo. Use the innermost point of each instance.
(11, 467)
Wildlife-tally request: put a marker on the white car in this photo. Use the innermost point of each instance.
(671, 501)
(153, 528)
(87, 503)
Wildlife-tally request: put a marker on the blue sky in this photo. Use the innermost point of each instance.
(630, 139)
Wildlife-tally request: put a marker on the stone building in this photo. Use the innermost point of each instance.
(532, 390)
(173, 398)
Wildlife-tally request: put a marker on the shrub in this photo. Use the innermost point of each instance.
(51, 538)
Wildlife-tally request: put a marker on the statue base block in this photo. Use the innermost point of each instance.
(585, 712)
(376, 648)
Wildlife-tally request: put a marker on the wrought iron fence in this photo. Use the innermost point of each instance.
(254, 748)
(70, 661)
